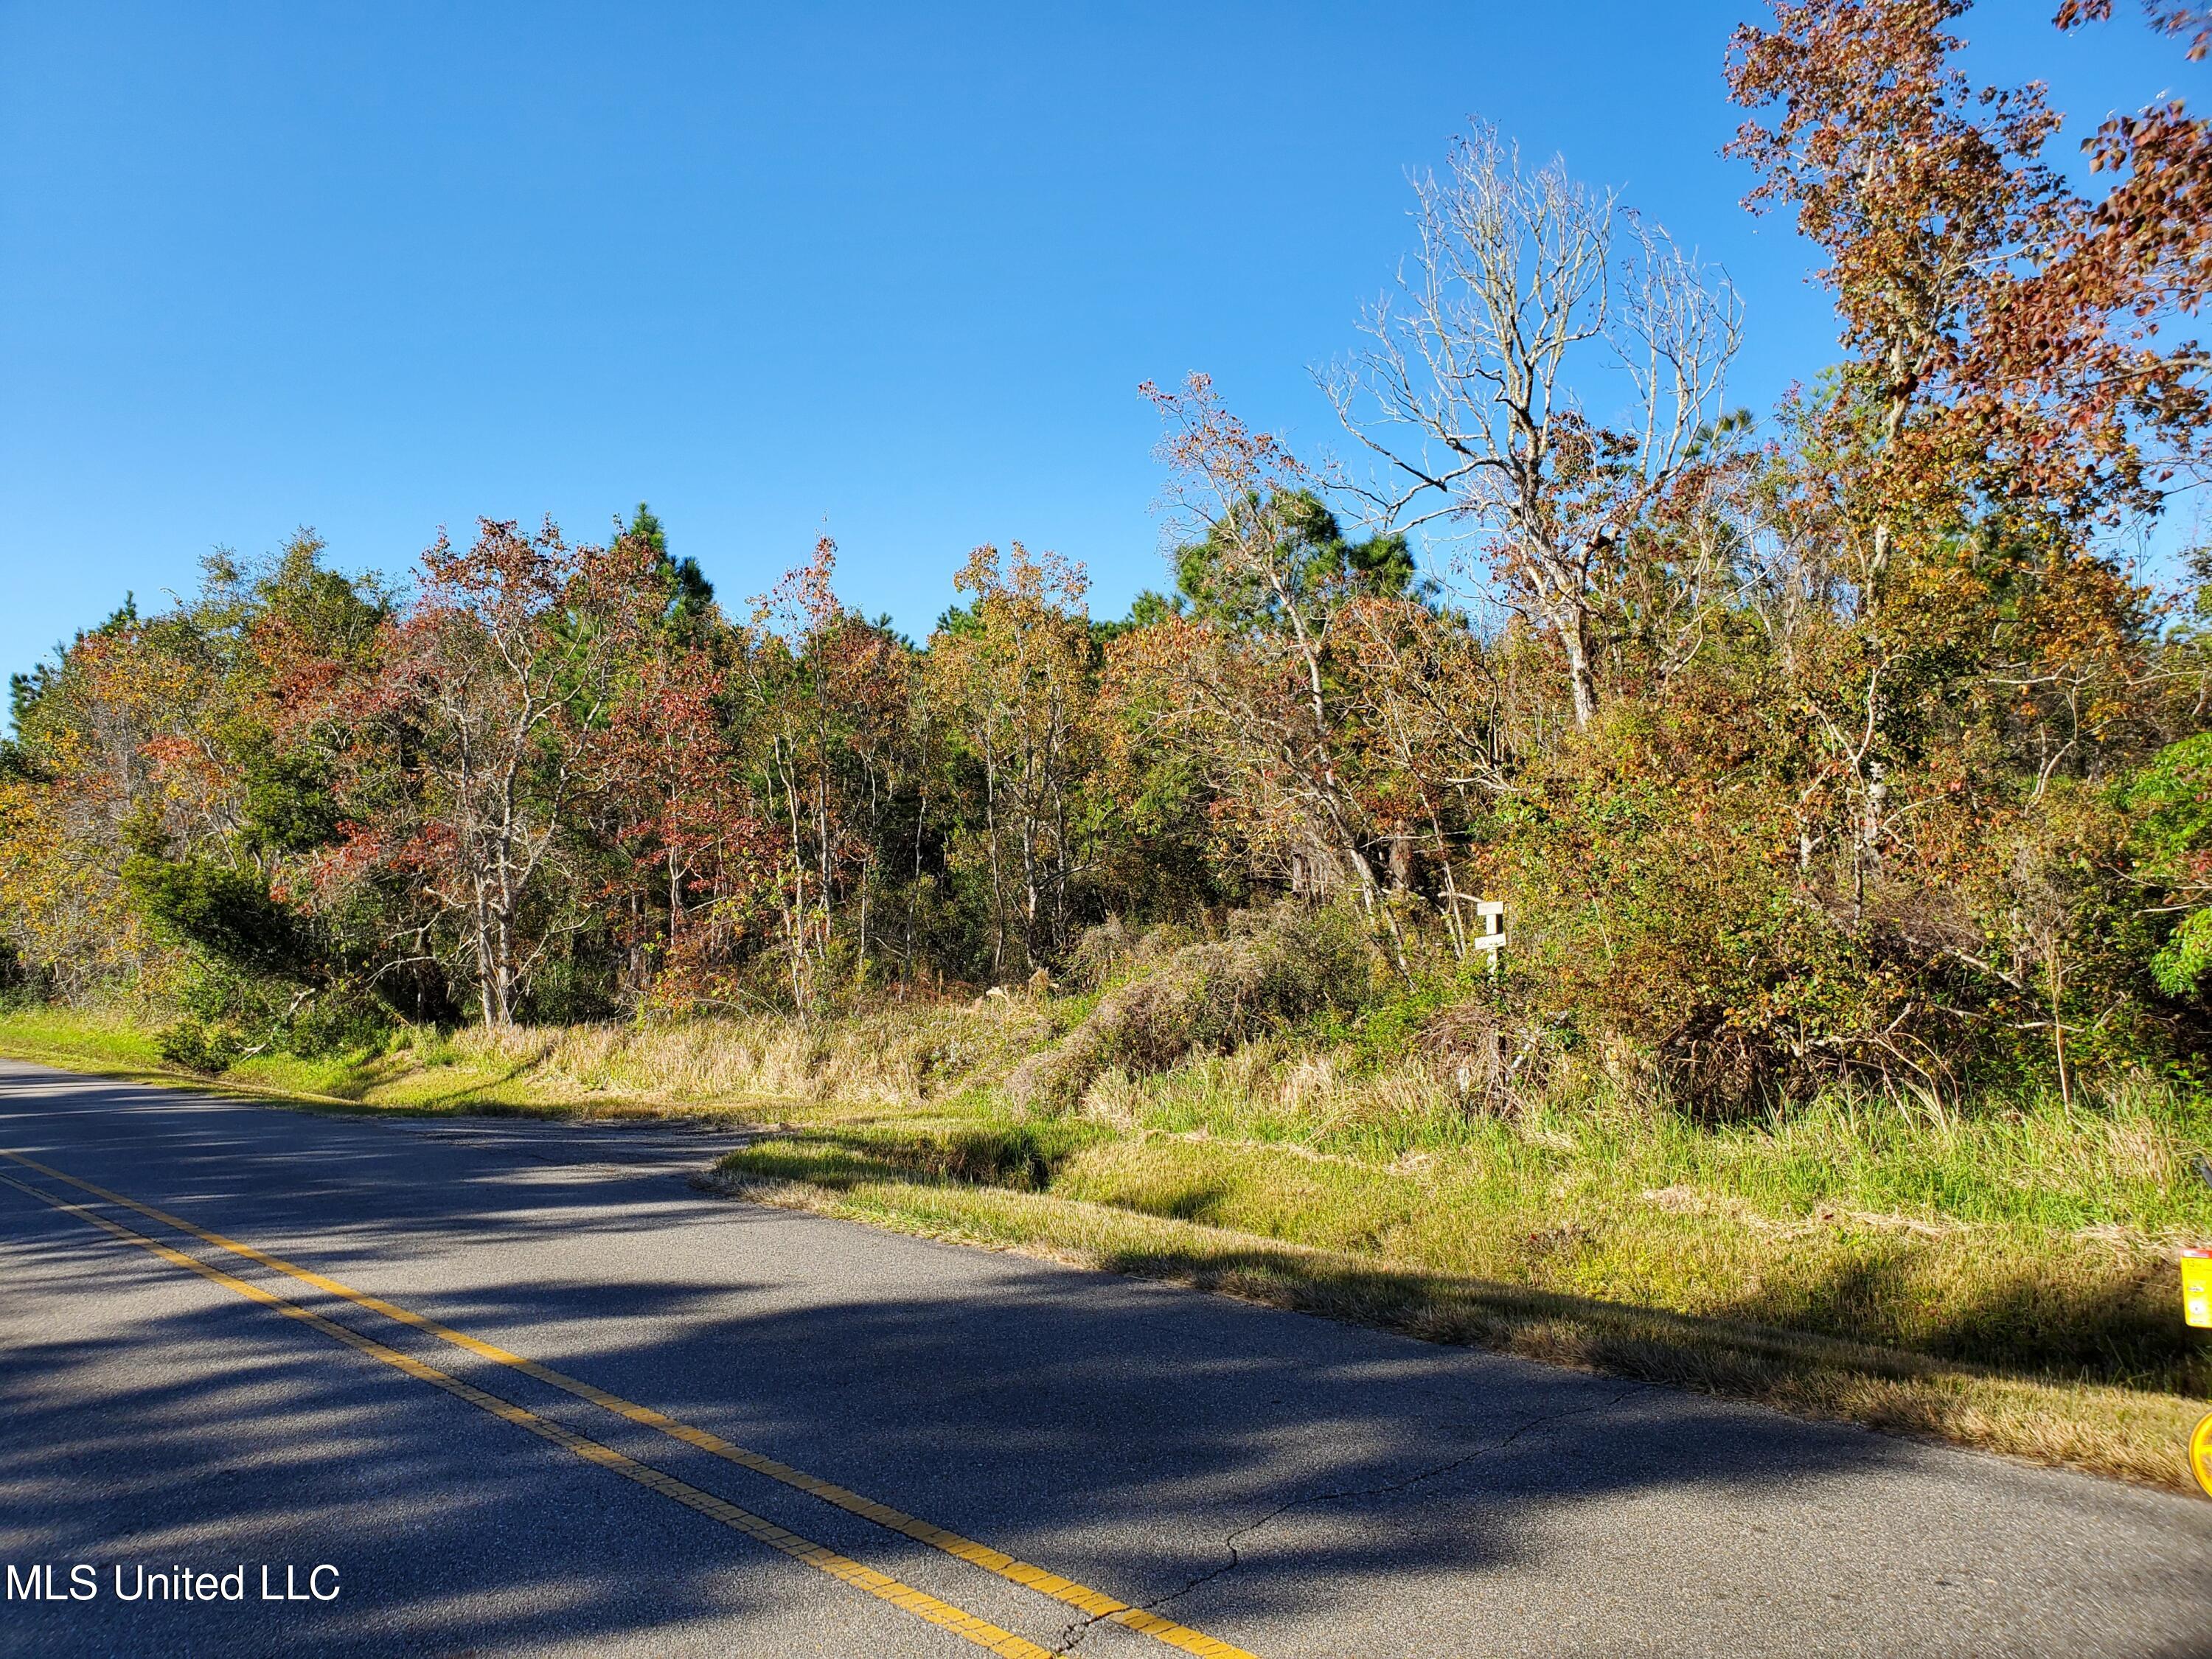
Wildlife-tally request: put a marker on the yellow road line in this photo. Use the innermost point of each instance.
(920, 1603)
(1096, 1603)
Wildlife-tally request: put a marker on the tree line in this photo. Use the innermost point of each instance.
(1843, 741)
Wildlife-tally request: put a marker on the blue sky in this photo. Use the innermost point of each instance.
(894, 272)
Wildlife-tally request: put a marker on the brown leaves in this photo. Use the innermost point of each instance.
(2005, 332)
(2167, 17)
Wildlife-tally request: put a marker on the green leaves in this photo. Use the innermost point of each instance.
(1316, 567)
(291, 806)
(226, 913)
(2171, 799)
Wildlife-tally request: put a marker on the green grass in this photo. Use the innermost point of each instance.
(112, 1038)
(2003, 1276)
(1807, 1237)
(2021, 1254)
(2132, 1433)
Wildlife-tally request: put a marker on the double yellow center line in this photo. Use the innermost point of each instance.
(1094, 1603)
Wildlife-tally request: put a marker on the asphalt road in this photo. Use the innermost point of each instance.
(1279, 1483)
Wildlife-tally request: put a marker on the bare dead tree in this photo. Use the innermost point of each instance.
(1527, 285)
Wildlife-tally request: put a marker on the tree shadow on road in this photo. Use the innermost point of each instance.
(1255, 1473)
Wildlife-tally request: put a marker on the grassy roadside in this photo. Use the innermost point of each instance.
(419, 1074)
(2133, 1434)
(2003, 1280)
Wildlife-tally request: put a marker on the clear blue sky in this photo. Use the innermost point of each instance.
(891, 272)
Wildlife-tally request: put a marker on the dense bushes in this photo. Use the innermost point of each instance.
(1848, 750)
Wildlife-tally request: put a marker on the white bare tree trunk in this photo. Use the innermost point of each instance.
(1468, 394)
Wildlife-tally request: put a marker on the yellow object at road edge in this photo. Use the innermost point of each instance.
(2197, 1289)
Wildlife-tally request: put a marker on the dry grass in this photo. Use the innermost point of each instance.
(1210, 996)
(905, 1056)
(2001, 1278)
(900, 1059)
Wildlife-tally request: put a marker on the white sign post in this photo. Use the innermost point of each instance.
(1492, 938)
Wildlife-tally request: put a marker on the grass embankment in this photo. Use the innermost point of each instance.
(748, 1070)
(2001, 1279)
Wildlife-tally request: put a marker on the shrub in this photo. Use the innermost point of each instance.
(1666, 910)
(1112, 950)
(1275, 966)
(201, 1045)
(341, 1020)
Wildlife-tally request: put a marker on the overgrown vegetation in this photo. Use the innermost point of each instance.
(2002, 1277)
(1844, 783)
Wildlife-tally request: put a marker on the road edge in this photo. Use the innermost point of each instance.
(2137, 1437)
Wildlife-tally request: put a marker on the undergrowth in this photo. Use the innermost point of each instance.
(1240, 1084)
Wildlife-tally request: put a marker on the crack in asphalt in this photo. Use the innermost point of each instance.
(1074, 1633)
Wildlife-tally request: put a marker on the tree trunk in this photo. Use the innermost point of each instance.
(1573, 633)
